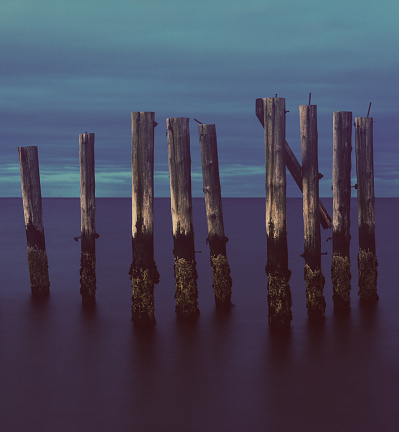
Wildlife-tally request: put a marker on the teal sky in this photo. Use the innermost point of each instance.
(76, 66)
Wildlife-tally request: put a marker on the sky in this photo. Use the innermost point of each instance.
(73, 66)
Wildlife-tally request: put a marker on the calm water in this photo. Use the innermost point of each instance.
(62, 369)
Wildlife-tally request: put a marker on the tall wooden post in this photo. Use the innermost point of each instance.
(214, 215)
(182, 216)
(341, 265)
(32, 203)
(279, 294)
(87, 220)
(314, 278)
(144, 273)
(367, 260)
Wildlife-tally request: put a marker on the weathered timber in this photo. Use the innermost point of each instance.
(87, 220)
(279, 294)
(186, 295)
(294, 167)
(341, 176)
(143, 271)
(314, 278)
(32, 204)
(367, 260)
(214, 214)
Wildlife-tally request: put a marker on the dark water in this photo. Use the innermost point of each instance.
(63, 369)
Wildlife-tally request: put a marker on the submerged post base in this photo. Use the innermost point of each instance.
(143, 281)
(38, 272)
(341, 280)
(186, 288)
(221, 281)
(88, 282)
(367, 264)
(315, 301)
(279, 300)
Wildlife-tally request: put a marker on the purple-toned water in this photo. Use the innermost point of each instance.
(64, 369)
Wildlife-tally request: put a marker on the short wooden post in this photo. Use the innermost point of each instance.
(279, 294)
(214, 215)
(314, 278)
(367, 260)
(32, 203)
(341, 175)
(144, 273)
(182, 216)
(87, 220)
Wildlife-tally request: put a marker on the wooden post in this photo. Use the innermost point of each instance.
(214, 215)
(87, 220)
(314, 278)
(367, 260)
(294, 166)
(144, 273)
(279, 294)
(341, 265)
(182, 216)
(32, 203)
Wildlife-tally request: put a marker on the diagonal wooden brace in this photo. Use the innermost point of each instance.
(294, 167)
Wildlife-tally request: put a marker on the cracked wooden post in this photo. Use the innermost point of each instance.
(87, 220)
(279, 294)
(341, 175)
(314, 278)
(32, 204)
(214, 215)
(143, 271)
(182, 217)
(367, 260)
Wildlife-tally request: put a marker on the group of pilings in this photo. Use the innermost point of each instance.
(271, 113)
(32, 204)
(144, 274)
(143, 270)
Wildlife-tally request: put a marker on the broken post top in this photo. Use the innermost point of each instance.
(178, 137)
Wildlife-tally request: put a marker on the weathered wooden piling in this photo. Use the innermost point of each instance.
(32, 204)
(314, 278)
(178, 138)
(367, 260)
(143, 271)
(279, 294)
(87, 220)
(214, 215)
(341, 176)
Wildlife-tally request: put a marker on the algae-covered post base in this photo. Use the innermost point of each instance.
(143, 271)
(32, 204)
(279, 300)
(341, 281)
(279, 295)
(341, 266)
(88, 281)
(214, 214)
(315, 301)
(178, 136)
(38, 272)
(367, 259)
(367, 264)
